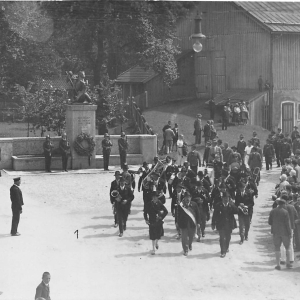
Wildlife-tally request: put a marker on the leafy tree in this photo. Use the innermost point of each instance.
(45, 107)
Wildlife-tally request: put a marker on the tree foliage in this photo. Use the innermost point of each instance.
(45, 107)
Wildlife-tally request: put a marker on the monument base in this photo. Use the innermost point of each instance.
(81, 119)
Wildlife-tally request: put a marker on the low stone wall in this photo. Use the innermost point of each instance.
(144, 145)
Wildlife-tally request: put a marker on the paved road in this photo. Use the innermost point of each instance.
(100, 265)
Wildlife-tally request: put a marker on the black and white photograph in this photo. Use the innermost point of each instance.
(149, 150)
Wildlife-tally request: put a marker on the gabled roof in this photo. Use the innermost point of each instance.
(136, 74)
(283, 17)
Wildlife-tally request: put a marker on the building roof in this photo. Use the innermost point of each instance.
(237, 95)
(136, 74)
(283, 17)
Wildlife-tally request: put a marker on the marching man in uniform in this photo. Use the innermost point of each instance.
(188, 221)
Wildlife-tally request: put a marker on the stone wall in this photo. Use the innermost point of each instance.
(138, 144)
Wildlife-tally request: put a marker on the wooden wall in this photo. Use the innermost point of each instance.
(245, 43)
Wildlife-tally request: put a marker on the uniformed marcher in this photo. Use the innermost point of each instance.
(16, 205)
(48, 146)
(188, 221)
(123, 201)
(244, 201)
(106, 149)
(114, 187)
(64, 147)
(154, 214)
(223, 220)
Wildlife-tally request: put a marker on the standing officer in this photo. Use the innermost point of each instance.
(198, 129)
(64, 147)
(223, 220)
(269, 154)
(16, 205)
(277, 145)
(48, 146)
(123, 148)
(106, 149)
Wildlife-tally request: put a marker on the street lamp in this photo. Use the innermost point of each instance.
(197, 35)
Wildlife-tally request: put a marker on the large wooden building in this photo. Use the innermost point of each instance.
(246, 40)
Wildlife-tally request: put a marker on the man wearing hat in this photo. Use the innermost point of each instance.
(114, 186)
(194, 159)
(269, 154)
(16, 205)
(225, 117)
(123, 202)
(206, 153)
(285, 150)
(215, 152)
(188, 221)
(206, 132)
(255, 139)
(198, 129)
(277, 145)
(48, 146)
(106, 149)
(295, 133)
(223, 220)
(64, 147)
(282, 232)
(241, 145)
(123, 148)
(244, 201)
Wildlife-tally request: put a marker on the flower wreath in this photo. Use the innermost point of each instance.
(82, 151)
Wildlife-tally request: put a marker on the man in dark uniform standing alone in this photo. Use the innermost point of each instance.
(123, 148)
(64, 147)
(48, 146)
(16, 205)
(106, 149)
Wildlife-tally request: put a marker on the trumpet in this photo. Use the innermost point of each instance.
(114, 193)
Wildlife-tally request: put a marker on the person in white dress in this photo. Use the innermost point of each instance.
(181, 158)
(247, 152)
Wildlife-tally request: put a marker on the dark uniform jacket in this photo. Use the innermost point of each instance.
(153, 210)
(223, 216)
(247, 199)
(241, 145)
(16, 198)
(285, 150)
(64, 147)
(106, 145)
(268, 150)
(47, 146)
(184, 220)
(126, 194)
(42, 291)
(123, 145)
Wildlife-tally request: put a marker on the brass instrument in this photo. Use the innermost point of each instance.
(244, 209)
(114, 193)
(146, 181)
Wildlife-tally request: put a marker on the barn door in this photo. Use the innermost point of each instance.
(210, 74)
(287, 117)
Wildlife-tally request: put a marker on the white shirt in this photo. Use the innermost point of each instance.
(180, 143)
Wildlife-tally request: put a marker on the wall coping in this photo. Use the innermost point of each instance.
(81, 107)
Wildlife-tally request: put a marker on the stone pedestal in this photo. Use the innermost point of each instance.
(81, 118)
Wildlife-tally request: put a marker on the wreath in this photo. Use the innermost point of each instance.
(84, 151)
